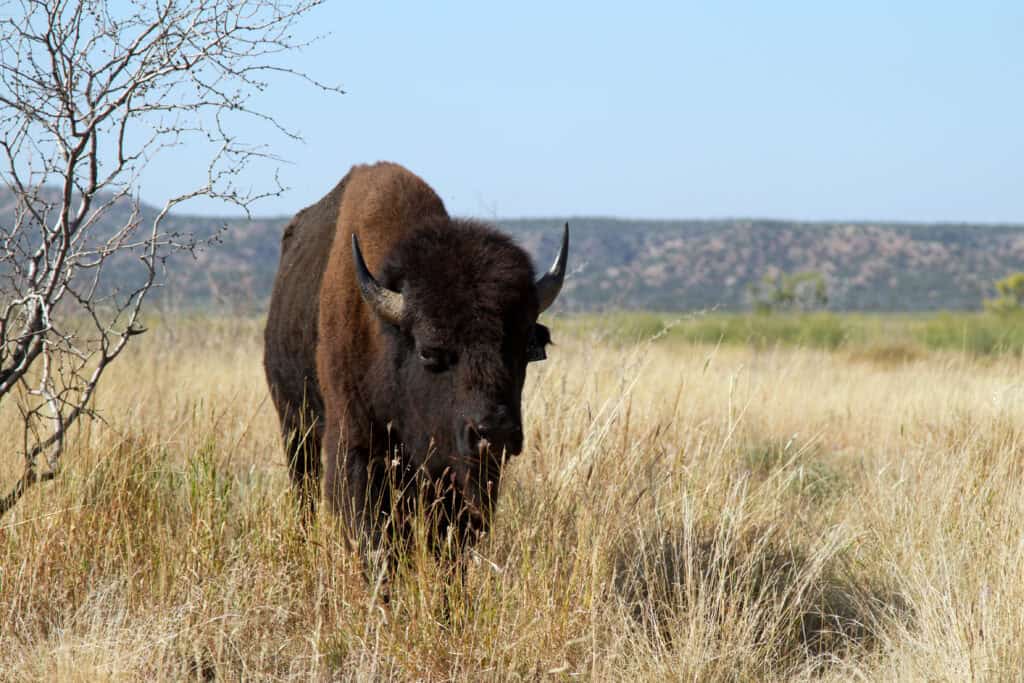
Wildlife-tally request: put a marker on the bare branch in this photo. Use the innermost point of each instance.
(90, 93)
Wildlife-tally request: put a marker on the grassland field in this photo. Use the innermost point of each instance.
(703, 498)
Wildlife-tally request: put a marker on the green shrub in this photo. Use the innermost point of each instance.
(893, 338)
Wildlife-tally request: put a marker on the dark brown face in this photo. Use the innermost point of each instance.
(457, 355)
(462, 412)
(480, 384)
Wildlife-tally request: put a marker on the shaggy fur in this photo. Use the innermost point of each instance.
(399, 411)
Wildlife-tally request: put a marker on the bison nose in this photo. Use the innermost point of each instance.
(499, 430)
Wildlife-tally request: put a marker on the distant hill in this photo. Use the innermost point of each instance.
(671, 265)
(692, 265)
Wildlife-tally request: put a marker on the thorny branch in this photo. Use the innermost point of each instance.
(90, 92)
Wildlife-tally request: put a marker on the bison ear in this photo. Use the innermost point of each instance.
(540, 337)
(384, 302)
(550, 284)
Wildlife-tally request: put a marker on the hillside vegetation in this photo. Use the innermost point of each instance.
(678, 265)
(698, 265)
(683, 511)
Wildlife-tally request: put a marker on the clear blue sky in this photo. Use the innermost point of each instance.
(804, 110)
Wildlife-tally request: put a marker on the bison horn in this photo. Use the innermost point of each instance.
(385, 303)
(549, 284)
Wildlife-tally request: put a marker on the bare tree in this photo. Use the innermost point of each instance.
(90, 93)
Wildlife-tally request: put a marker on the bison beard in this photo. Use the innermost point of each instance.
(409, 383)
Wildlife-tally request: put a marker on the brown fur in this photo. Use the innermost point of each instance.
(372, 396)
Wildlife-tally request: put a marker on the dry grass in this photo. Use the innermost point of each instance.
(679, 512)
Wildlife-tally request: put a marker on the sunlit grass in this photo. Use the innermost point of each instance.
(706, 512)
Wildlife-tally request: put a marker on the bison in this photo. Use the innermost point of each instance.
(396, 345)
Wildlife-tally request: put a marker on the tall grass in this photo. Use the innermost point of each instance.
(707, 512)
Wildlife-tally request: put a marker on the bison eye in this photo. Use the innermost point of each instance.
(436, 360)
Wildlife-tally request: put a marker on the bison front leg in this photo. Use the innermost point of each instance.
(357, 493)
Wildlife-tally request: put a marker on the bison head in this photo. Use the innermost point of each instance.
(458, 306)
